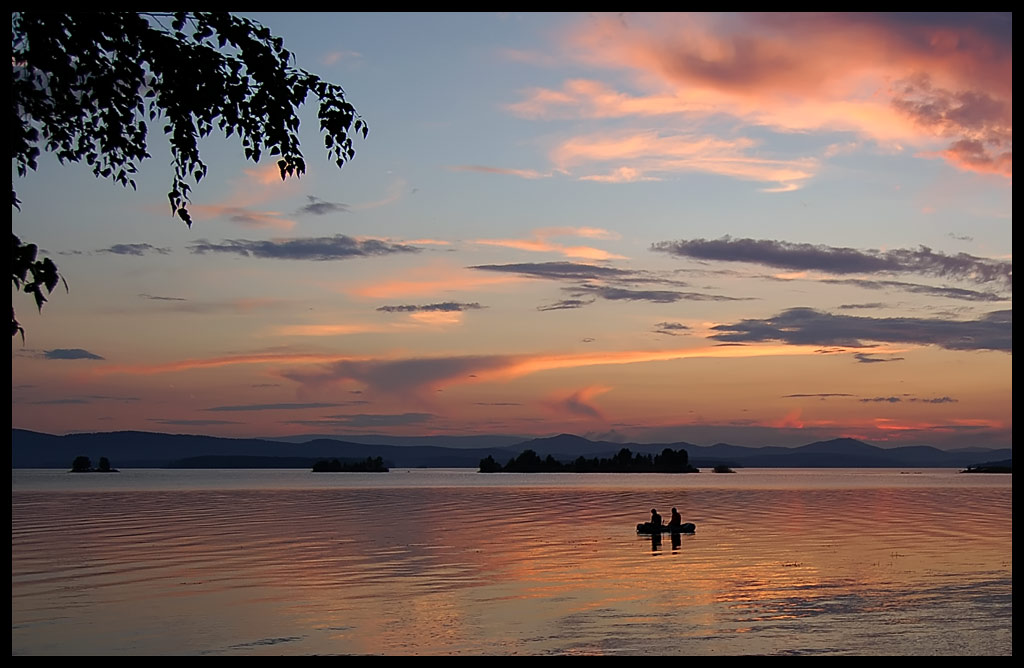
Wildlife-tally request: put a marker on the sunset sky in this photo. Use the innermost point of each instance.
(760, 229)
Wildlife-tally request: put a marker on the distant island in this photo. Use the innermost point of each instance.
(368, 465)
(669, 461)
(83, 464)
(1005, 466)
(138, 449)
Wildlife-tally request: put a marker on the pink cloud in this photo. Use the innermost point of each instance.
(242, 216)
(248, 195)
(920, 80)
(579, 403)
(651, 154)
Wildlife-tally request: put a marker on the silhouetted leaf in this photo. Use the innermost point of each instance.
(99, 67)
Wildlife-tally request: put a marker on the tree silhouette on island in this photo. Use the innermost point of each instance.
(669, 461)
(368, 465)
(83, 464)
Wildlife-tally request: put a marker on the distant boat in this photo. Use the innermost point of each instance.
(648, 528)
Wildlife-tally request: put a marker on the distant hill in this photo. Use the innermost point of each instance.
(135, 449)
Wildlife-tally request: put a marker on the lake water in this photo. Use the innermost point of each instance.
(423, 562)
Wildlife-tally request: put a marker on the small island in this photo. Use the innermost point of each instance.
(368, 465)
(83, 464)
(669, 461)
(1004, 466)
(722, 468)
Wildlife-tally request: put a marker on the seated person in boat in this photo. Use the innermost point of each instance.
(655, 518)
(676, 520)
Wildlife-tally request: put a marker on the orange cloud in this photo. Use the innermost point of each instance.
(437, 318)
(522, 173)
(265, 175)
(540, 246)
(587, 232)
(412, 375)
(326, 330)
(540, 242)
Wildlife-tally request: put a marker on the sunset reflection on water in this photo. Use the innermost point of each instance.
(511, 568)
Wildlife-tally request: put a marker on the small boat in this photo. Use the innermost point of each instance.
(648, 528)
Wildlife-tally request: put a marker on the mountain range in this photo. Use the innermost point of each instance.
(30, 449)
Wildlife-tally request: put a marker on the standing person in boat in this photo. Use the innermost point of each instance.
(655, 519)
(676, 520)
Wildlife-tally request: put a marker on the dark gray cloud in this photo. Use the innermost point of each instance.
(70, 354)
(833, 260)
(917, 288)
(670, 328)
(576, 405)
(319, 207)
(134, 249)
(561, 270)
(817, 395)
(444, 307)
(805, 326)
(871, 358)
(162, 299)
(338, 247)
(402, 376)
(271, 407)
(657, 296)
(908, 398)
(566, 304)
(601, 282)
(865, 306)
(578, 271)
(406, 378)
(242, 216)
(625, 294)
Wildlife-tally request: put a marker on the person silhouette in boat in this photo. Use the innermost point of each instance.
(655, 519)
(676, 521)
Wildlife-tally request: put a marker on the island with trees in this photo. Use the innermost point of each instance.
(83, 464)
(368, 465)
(669, 461)
(1003, 466)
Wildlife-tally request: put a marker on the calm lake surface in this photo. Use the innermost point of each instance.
(432, 561)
